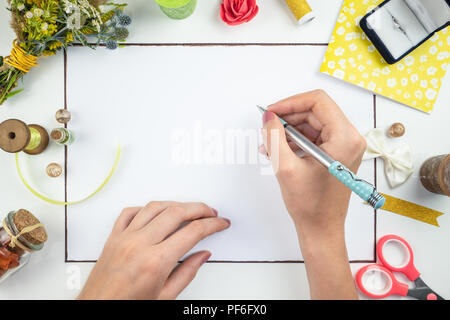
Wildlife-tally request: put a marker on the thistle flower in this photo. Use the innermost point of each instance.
(111, 44)
(124, 20)
(122, 33)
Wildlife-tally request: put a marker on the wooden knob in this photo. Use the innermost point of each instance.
(14, 135)
(397, 130)
(54, 170)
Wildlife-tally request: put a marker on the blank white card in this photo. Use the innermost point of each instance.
(187, 122)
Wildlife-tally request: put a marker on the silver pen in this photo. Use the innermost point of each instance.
(362, 188)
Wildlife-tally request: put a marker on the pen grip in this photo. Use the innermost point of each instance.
(362, 188)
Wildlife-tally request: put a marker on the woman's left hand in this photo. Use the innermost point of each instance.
(140, 256)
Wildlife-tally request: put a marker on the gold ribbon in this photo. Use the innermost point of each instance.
(19, 59)
(15, 238)
(46, 199)
(411, 210)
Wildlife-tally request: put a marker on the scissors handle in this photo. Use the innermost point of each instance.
(392, 287)
(408, 267)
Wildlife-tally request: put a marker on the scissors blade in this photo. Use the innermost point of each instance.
(421, 291)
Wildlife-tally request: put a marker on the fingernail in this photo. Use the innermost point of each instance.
(262, 149)
(267, 116)
(227, 220)
(206, 258)
(215, 212)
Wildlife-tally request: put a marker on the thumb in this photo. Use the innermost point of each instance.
(274, 136)
(182, 275)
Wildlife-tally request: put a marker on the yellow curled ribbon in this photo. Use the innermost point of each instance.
(19, 59)
(63, 203)
(411, 210)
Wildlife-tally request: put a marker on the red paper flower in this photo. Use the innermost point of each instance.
(234, 12)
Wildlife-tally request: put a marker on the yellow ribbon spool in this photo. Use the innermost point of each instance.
(35, 139)
(19, 59)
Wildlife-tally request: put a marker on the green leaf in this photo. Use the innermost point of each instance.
(13, 93)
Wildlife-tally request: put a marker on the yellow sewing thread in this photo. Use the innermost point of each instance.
(300, 8)
(35, 139)
(411, 210)
(57, 202)
(19, 59)
(15, 238)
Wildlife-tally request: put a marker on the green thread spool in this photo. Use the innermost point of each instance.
(35, 139)
(62, 136)
(177, 9)
(16, 136)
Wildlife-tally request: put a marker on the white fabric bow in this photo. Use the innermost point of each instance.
(398, 161)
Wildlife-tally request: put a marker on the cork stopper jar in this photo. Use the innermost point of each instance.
(21, 234)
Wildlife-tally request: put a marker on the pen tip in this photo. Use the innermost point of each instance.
(261, 109)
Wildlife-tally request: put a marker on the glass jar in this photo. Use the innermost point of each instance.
(435, 174)
(62, 136)
(177, 9)
(21, 234)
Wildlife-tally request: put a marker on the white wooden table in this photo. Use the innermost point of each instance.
(49, 277)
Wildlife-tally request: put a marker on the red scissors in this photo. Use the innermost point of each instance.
(392, 286)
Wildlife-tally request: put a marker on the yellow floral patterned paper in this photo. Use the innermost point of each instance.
(414, 81)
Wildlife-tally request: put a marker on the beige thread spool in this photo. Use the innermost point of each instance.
(301, 10)
(63, 116)
(435, 174)
(16, 136)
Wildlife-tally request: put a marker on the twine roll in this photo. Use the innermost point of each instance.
(19, 59)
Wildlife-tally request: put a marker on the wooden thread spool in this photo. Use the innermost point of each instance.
(16, 136)
(435, 174)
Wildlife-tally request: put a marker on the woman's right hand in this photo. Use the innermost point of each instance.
(316, 200)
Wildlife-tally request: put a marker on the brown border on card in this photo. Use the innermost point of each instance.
(66, 257)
